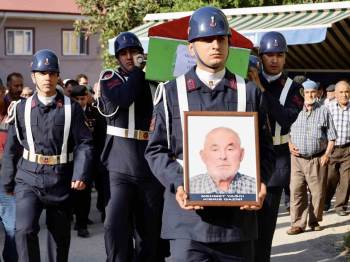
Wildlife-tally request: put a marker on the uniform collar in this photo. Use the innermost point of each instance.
(194, 83)
(280, 81)
(57, 102)
(271, 78)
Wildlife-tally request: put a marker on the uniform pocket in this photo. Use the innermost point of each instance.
(59, 120)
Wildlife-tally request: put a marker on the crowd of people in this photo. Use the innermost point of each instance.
(63, 138)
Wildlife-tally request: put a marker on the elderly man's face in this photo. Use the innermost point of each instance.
(222, 154)
(342, 93)
(330, 95)
(310, 96)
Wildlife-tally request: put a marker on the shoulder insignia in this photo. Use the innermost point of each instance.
(191, 85)
(233, 84)
(107, 75)
(282, 81)
(33, 103)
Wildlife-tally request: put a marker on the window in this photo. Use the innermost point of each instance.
(19, 41)
(74, 43)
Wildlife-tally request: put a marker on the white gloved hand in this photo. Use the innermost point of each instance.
(139, 60)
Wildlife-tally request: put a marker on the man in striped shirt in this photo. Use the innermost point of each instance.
(338, 180)
(311, 142)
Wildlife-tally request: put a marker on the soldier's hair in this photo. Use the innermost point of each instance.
(81, 76)
(11, 76)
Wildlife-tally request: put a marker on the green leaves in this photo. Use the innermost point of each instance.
(110, 17)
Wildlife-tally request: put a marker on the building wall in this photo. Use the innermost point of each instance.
(48, 34)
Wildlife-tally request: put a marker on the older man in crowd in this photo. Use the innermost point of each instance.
(311, 142)
(338, 180)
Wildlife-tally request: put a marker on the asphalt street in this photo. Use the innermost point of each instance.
(325, 245)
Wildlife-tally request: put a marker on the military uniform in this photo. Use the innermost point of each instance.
(40, 184)
(45, 134)
(280, 117)
(218, 228)
(135, 194)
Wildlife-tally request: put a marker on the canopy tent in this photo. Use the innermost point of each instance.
(318, 35)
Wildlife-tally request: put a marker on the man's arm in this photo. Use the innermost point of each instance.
(117, 93)
(325, 156)
(160, 158)
(331, 137)
(83, 150)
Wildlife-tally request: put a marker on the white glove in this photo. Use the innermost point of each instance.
(139, 61)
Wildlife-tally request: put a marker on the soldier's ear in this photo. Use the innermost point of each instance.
(191, 50)
(33, 78)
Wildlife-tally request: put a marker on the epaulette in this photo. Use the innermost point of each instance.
(11, 111)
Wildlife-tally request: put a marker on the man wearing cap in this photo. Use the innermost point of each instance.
(311, 143)
(136, 196)
(330, 94)
(338, 180)
(209, 233)
(46, 132)
(283, 101)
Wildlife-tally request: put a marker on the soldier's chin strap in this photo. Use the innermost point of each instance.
(205, 64)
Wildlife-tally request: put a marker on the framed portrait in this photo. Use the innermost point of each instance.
(221, 158)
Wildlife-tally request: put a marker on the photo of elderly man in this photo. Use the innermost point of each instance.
(222, 155)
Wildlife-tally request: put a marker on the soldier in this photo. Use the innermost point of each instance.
(46, 132)
(283, 101)
(135, 194)
(210, 233)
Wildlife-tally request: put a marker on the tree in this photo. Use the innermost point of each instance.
(109, 17)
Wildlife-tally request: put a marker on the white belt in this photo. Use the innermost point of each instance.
(279, 140)
(47, 160)
(124, 132)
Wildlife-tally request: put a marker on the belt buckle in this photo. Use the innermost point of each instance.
(142, 135)
(46, 160)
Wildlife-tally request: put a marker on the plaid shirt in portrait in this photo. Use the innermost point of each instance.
(241, 184)
(312, 130)
(341, 119)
